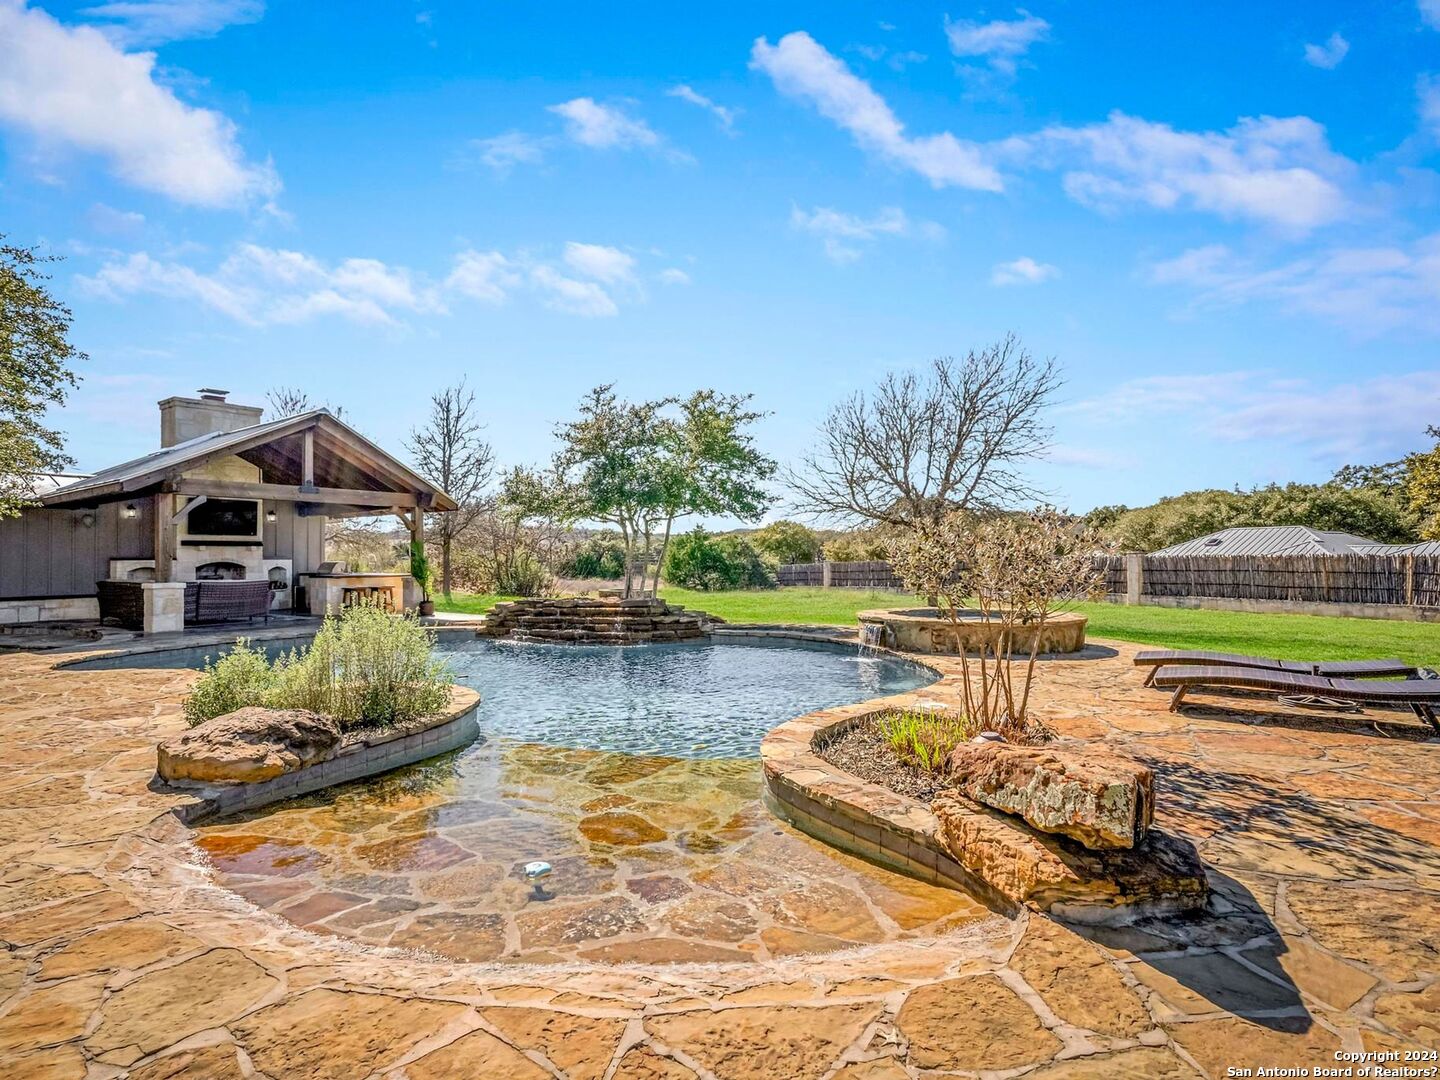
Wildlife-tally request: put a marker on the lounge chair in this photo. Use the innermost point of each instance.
(1421, 695)
(1155, 659)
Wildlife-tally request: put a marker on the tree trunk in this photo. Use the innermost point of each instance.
(664, 547)
(629, 559)
(445, 542)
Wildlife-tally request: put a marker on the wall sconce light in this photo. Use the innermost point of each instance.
(129, 511)
(87, 520)
(270, 516)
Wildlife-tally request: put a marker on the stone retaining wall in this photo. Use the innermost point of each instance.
(375, 752)
(585, 621)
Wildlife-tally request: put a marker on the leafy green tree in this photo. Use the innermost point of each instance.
(859, 545)
(609, 468)
(35, 361)
(787, 542)
(1422, 487)
(698, 560)
(709, 464)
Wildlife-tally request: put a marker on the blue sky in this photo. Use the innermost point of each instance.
(1223, 221)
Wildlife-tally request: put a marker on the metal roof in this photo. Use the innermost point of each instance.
(153, 468)
(1272, 540)
(1426, 547)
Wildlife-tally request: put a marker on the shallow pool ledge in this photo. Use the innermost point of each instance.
(854, 815)
(365, 753)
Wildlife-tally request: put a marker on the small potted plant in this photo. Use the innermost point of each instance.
(420, 571)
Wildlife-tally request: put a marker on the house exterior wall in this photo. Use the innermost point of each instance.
(52, 553)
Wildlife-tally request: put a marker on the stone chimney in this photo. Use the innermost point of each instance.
(183, 419)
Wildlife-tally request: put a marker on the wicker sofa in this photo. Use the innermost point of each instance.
(205, 601)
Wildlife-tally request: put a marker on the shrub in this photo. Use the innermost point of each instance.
(366, 667)
(698, 560)
(598, 557)
(787, 542)
(523, 574)
(241, 677)
(922, 738)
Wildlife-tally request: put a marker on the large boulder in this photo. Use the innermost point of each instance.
(1055, 874)
(1099, 798)
(249, 745)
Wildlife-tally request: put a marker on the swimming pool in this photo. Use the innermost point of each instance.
(634, 773)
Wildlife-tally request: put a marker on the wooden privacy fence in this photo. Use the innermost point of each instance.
(1408, 580)
(840, 575)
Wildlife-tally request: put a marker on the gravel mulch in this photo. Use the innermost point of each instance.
(862, 752)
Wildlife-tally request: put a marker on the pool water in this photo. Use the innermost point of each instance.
(633, 772)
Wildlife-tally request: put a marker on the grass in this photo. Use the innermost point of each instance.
(1298, 637)
(469, 603)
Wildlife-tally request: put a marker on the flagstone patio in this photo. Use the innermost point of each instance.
(126, 957)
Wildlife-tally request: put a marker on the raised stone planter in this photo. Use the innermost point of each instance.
(865, 819)
(926, 630)
(364, 753)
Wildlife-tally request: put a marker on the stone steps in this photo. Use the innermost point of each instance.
(593, 622)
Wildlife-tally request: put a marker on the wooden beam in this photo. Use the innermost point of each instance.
(229, 489)
(184, 512)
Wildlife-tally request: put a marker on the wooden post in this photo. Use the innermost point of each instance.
(164, 535)
(1410, 580)
(307, 468)
(825, 574)
(1134, 576)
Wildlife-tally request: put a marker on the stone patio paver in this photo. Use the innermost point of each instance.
(124, 958)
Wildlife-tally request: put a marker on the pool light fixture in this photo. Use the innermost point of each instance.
(535, 872)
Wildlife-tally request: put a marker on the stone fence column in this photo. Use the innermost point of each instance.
(1134, 576)
(164, 606)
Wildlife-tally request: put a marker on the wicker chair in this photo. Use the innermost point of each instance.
(224, 601)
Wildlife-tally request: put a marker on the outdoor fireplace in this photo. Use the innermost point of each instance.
(220, 571)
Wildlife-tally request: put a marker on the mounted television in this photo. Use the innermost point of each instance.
(222, 520)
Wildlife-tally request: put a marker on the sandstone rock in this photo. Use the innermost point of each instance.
(249, 745)
(1049, 872)
(762, 1043)
(581, 1045)
(1099, 798)
(1078, 982)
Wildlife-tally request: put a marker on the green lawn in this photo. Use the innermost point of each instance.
(1300, 637)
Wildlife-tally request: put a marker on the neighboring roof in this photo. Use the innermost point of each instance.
(42, 484)
(1427, 547)
(343, 459)
(1272, 540)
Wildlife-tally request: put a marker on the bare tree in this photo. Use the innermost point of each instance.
(450, 453)
(920, 447)
(292, 401)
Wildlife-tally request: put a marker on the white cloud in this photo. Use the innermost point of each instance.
(1000, 42)
(1366, 291)
(673, 275)
(503, 152)
(801, 68)
(1276, 170)
(1329, 55)
(146, 23)
(603, 127)
(1022, 271)
(487, 276)
(841, 232)
(112, 222)
(70, 87)
(1430, 13)
(1427, 94)
(261, 286)
(1084, 457)
(574, 297)
(1369, 418)
(607, 264)
(722, 113)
